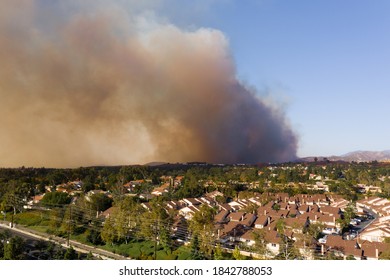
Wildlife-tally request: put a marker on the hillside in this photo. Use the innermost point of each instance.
(358, 156)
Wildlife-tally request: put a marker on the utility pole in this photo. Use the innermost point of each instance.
(155, 238)
(70, 224)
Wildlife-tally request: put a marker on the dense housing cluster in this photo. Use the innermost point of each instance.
(317, 210)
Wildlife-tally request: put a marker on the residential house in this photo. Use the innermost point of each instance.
(312, 217)
(248, 220)
(189, 211)
(191, 201)
(237, 205)
(180, 228)
(331, 226)
(236, 216)
(108, 212)
(225, 207)
(373, 250)
(331, 211)
(221, 217)
(160, 190)
(208, 201)
(339, 203)
(273, 240)
(214, 194)
(262, 221)
(377, 231)
(303, 208)
(174, 205)
(231, 232)
(342, 248)
(297, 225)
(248, 238)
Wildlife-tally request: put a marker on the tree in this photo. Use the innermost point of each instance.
(251, 208)
(280, 226)
(129, 216)
(94, 237)
(165, 239)
(237, 254)
(13, 249)
(218, 252)
(50, 250)
(348, 214)
(57, 177)
(126, 218)
(4, 237)
(55, 220)
(195, 253)
(155, 224)
(121, 225)
(70, 254)
(385, 255)
(154, 220)
(108, 233)
(99, 202)
(287, 250)
(90, 256)
(55, 199)
(15, 195)
(202, 224)
(260, 246)
(314, 230)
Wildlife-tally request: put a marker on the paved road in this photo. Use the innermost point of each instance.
(359, 228)
(31, 234)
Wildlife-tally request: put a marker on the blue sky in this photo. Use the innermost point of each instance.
(327, 62)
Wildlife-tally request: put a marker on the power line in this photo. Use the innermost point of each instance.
(77, 212)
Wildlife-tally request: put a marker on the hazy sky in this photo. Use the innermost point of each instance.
(127, 81)
(327, 61)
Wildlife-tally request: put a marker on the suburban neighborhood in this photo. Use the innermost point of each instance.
(304, 211)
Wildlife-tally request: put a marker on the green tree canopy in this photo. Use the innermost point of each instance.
(55, 199)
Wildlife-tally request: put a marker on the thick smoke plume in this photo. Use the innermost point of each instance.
(96, 85)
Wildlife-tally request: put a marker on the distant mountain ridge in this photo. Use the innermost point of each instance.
(364, 156)
(358, 156)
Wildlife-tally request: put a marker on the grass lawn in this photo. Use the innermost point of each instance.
(133, 249)
(27, 218)
(144, 250)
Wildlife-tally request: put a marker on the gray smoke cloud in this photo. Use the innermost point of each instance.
(95, 84)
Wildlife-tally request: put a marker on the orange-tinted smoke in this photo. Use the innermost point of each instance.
(108, 87)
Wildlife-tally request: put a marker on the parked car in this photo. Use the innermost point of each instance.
(357, 220)
(323, 239)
